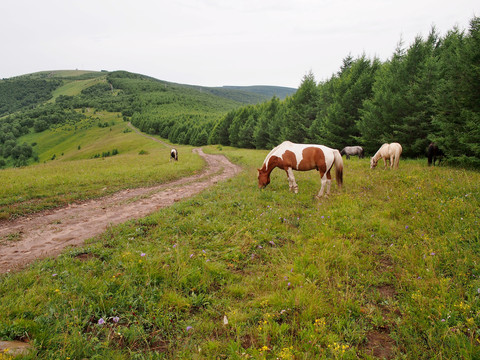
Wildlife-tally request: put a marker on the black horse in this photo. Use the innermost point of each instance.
(434, 154)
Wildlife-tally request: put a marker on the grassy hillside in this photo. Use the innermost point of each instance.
(75, 87)
(95, 134)
(385, 267)
(77, 162)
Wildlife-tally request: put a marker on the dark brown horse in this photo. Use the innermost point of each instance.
(434, 154)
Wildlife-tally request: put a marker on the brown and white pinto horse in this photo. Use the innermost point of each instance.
(301, 157)
(389, 152)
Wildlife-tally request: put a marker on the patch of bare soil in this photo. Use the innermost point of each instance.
(48, 233)
(379, 345)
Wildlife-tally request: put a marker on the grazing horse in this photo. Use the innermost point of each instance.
(352, 150)
(173, 155)
(434, 153)
(389, 152)
(289, 156)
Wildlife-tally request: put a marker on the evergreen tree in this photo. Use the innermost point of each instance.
(341, 99)
(238, 122)
(220, 133)
(260, 133)
(422, 73)
(201, 138)
(246, 139)
(301, 111)
(276, 124)
(268, 115)
(457, 96)
(387, 108)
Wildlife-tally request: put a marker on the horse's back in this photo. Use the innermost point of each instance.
(303, 157)
(387, 150)
(396, 148)
(384, 150)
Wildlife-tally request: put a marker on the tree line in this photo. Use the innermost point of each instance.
(428, 92)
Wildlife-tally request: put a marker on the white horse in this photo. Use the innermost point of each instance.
(173, 155)
(389, 152)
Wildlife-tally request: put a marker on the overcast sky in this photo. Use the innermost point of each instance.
(215, 42)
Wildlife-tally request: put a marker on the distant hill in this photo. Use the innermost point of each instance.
(30, 90)
(265, 90)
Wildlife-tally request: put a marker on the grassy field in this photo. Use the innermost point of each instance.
(72, 166)
(385, 267)
(75, 87)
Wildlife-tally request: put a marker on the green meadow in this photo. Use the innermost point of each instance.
(386, 267)
(75, 87)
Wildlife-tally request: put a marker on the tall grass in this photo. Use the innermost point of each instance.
(388, 266)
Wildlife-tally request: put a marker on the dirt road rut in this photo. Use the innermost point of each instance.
(47, 234)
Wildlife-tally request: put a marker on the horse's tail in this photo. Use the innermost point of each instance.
(338, 161)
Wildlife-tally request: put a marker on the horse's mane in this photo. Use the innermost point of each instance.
(377, 154)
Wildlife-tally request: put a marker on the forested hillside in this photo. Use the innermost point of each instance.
(37, 102)
(21, 93)
(429, 91)
(267, 91)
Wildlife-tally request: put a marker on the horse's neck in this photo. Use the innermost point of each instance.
(377, 155)
(270, 164)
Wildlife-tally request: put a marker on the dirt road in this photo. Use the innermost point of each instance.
(47, 234)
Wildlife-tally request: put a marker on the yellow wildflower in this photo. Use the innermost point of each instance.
(264, 348)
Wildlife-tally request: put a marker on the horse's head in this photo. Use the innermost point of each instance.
(373, 163)
(263, 179)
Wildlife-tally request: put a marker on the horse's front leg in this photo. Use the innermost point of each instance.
(385, 163)
(291, 181)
